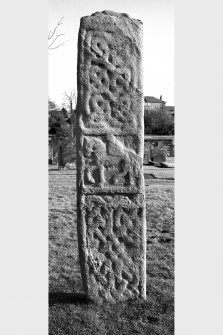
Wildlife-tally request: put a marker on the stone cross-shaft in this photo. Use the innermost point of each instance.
(110, 139)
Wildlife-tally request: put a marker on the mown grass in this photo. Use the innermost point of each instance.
(69, 311)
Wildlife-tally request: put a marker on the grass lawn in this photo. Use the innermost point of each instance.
(69, 312)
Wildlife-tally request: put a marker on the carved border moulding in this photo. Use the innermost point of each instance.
(112, 246)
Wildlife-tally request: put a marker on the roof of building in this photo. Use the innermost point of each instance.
(153, 100)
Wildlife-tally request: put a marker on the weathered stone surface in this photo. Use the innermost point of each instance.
(110, 164)
(110, 74)
(110, 140)
(113, 246)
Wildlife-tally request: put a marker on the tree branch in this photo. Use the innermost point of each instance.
(50, 35)
(55, 40)
(58, 45)
(53, 36)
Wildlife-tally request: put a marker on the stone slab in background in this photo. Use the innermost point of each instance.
(158, 155)
(110, 141)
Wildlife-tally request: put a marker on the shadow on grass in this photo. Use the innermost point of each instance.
(67, 298)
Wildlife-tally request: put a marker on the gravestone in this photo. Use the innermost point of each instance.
(147, 152)
(110, 138)
(158, 155)
(172, 148)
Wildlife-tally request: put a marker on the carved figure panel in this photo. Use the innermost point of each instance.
(110, 163)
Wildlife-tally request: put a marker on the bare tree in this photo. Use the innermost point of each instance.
(70, 101)
(54, 37)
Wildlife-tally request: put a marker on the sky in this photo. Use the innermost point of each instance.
(158, 46)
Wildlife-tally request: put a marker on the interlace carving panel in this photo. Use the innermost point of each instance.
(115, 243)
(112, 90)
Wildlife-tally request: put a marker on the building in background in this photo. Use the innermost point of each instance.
(153, 104)
(159, 118)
